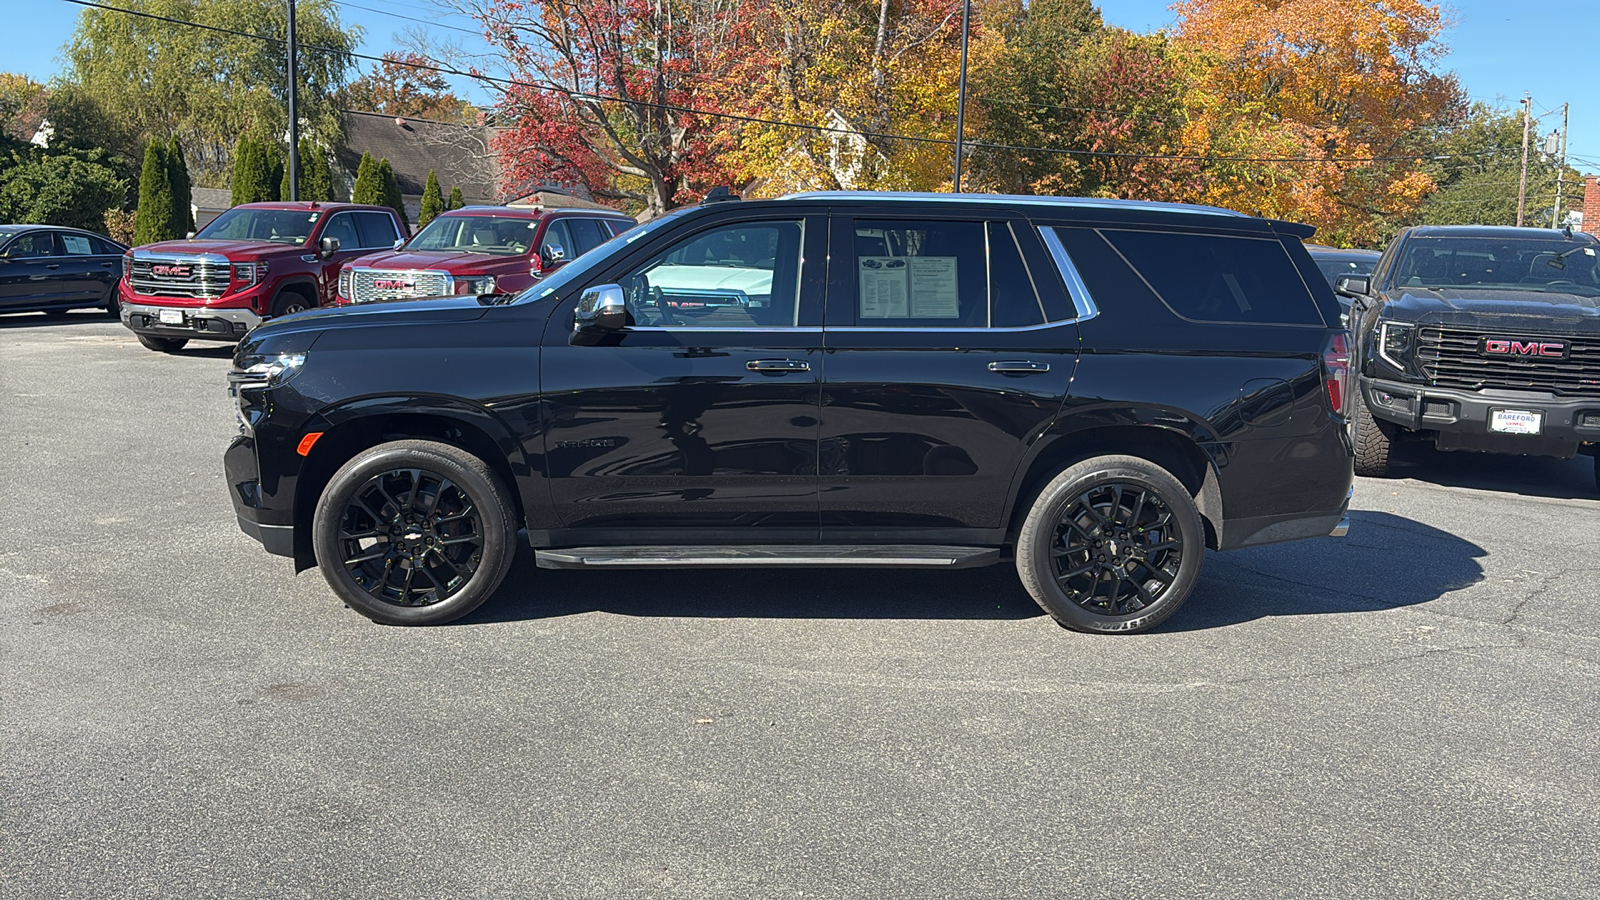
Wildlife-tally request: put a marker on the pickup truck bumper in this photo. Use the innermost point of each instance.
(1465, 420)
(194, 322)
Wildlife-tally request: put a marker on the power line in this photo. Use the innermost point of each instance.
(394, 15)
(581, 96)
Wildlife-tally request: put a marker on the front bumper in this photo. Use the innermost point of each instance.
(1461, 419)
(269, 527)
(197, 322)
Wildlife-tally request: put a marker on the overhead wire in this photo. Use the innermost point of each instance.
(585, 97)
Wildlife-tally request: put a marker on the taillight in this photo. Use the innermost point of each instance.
(1336, 370)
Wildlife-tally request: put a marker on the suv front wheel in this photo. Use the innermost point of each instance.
(1112, 544)
(414, 533)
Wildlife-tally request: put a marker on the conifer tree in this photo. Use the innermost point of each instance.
(432, 200)
(392, 197)
(153, 221)
(368, 188)
(182, 188)
(456, 200)
(249, 170)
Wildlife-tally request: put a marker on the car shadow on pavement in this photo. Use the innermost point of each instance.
(44, 320)
(1531, 476)
(1387, 561)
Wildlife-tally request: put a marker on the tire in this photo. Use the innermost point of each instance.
(289, 302)
(113, 305)
(1597, 473)
(1080, 576)
(409, 508)
(1372, 442)
(165, 345)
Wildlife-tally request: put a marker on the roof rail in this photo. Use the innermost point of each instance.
(1018, 199)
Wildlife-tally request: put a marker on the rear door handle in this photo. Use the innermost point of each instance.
(53, 266)
(1018, 367)
(778, 365)
(106, 265)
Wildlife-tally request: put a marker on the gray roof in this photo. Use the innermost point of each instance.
(459, 155)
(210, 198)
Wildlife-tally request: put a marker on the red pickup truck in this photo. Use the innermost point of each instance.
(480, 250)
(253, 262)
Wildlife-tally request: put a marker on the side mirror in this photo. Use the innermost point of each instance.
(327, 247)
(1352, 286)
(399, 242)
(552, 253)
(602, 310)
(189, 236)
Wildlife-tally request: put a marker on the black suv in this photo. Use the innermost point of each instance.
(1479, 338)
(1100, 389)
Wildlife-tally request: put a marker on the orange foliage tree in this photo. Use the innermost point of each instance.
(1353, 82)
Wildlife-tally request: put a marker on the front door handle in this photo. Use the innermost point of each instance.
(1018, 367)
(778, 365)
(53, 266)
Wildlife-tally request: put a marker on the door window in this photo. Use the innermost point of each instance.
(343, 227)
(923, 274)
(734, 276)
(556, 235)
(38, 243)
(377, 231)
(585, 234)
(106, 248)
(76, 245)
(1219, 278)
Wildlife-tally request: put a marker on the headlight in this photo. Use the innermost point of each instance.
(265, 371)
(249, 274)
(481, 284)
(1395, 343)
(345, 277)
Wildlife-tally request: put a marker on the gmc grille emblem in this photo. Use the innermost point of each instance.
(1523, 349)
(171, 271)
(393, 284)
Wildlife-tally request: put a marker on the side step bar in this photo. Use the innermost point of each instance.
(896, 555)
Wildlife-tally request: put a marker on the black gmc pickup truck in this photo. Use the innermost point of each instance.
(1479, 338)
(1100, 390)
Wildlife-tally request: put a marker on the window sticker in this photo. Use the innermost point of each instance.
(933, 288)
(77, 246)
(884, 282)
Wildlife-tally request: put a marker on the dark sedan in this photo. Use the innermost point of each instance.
(54, 269)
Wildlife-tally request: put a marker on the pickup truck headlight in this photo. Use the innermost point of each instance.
(1395, 343)
(346, 276)
(249, 274)
(479, 284)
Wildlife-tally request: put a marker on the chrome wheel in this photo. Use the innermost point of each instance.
(410, 537)
(1116, 549)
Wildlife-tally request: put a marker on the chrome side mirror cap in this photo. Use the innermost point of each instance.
(327, 247)
(1352, 286)
(602, 310)
(553, 253)
(399, 242)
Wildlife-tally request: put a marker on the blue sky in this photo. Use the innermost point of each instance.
(1499, 48)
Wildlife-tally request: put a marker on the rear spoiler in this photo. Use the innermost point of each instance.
(1298, 229)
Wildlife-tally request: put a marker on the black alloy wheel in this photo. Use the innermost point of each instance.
(414, 533)
(1112, 544)
(1116, 549)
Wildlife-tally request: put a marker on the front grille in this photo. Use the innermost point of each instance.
(385, 284)
(1449, 358)
(195, 277)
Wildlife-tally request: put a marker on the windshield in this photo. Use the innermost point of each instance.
(279, 226)
(1491, 263)
(492, 235)
(578, 270)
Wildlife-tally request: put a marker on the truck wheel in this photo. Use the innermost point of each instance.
(1112, 544)
(289, 302)
(165, 345)
(1372, 443)
(414, 533)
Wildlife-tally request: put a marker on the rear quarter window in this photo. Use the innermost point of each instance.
(1217, 278)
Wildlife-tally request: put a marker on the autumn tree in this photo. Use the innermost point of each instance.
(405, 84)
(208, 87)
(619, 96)
(1349, 84)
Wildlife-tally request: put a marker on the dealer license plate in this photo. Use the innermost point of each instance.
(171, 316)
(1516, 421)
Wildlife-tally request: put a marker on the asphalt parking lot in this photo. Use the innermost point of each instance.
(1408, 711)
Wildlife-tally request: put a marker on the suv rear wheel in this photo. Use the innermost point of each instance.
(165, 345)
(414, 533)
(1112, 544)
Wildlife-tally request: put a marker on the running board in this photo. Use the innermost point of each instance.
(895, 555)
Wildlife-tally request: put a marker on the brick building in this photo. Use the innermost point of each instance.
(1591, 204)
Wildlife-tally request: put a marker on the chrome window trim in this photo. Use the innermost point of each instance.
(1016, 199)
(763, 329)
(1082, 300)
(961, 329)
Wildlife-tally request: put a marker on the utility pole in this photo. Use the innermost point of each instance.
(1561, 169)
(1522, 183)
(294, 111)
(961, 90)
